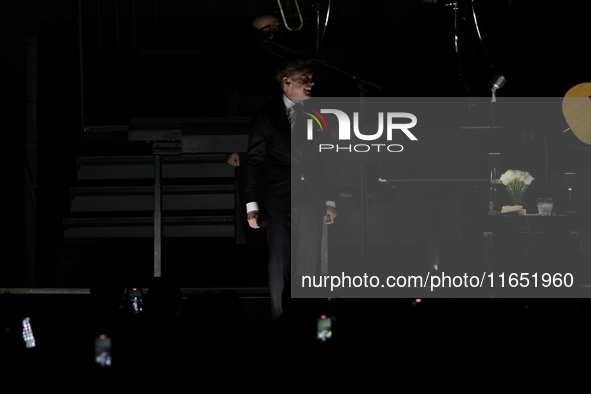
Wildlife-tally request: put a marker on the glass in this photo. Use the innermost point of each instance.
(545, 206)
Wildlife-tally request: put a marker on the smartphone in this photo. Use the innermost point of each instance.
(324, 329)
(28, 333)
(136, 303)
(326, 321)
(102, 351)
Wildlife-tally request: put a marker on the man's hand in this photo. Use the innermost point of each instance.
(234, 159)
(252, 218)
(331, 214)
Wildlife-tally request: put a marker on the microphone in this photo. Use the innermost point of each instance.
(499, 82)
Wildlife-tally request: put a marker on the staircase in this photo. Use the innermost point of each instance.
(136, 65)
(110, 228)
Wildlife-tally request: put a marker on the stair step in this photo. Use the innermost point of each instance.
(132, 227)
(141, 198)
(149, 220)
(129, 245)
(149, 190)
(149, 182)
(142, 167)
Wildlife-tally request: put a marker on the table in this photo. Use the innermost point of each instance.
(529, 246)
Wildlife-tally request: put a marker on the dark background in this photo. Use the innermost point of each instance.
(100, 63)
(70, 67)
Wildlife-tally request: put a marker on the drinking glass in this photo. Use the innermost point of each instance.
(545, 206)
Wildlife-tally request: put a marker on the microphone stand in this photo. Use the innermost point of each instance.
(494, 162)
(361, 86)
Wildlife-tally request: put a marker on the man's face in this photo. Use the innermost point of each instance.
(298, 87)
(266, 23)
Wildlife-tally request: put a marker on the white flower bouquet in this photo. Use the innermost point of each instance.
(516, 182)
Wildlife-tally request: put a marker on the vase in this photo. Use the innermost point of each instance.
(516, 195)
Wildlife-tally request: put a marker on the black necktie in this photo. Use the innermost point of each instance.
(299, 121)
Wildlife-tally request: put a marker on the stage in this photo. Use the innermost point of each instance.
(101, 208)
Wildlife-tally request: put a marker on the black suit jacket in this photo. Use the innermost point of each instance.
(271, 165)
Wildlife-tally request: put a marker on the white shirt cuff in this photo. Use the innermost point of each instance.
(252, 206)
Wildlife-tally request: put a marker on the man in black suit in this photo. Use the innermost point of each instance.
(289, 182)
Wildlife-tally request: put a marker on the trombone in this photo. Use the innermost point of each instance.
(290, 11)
